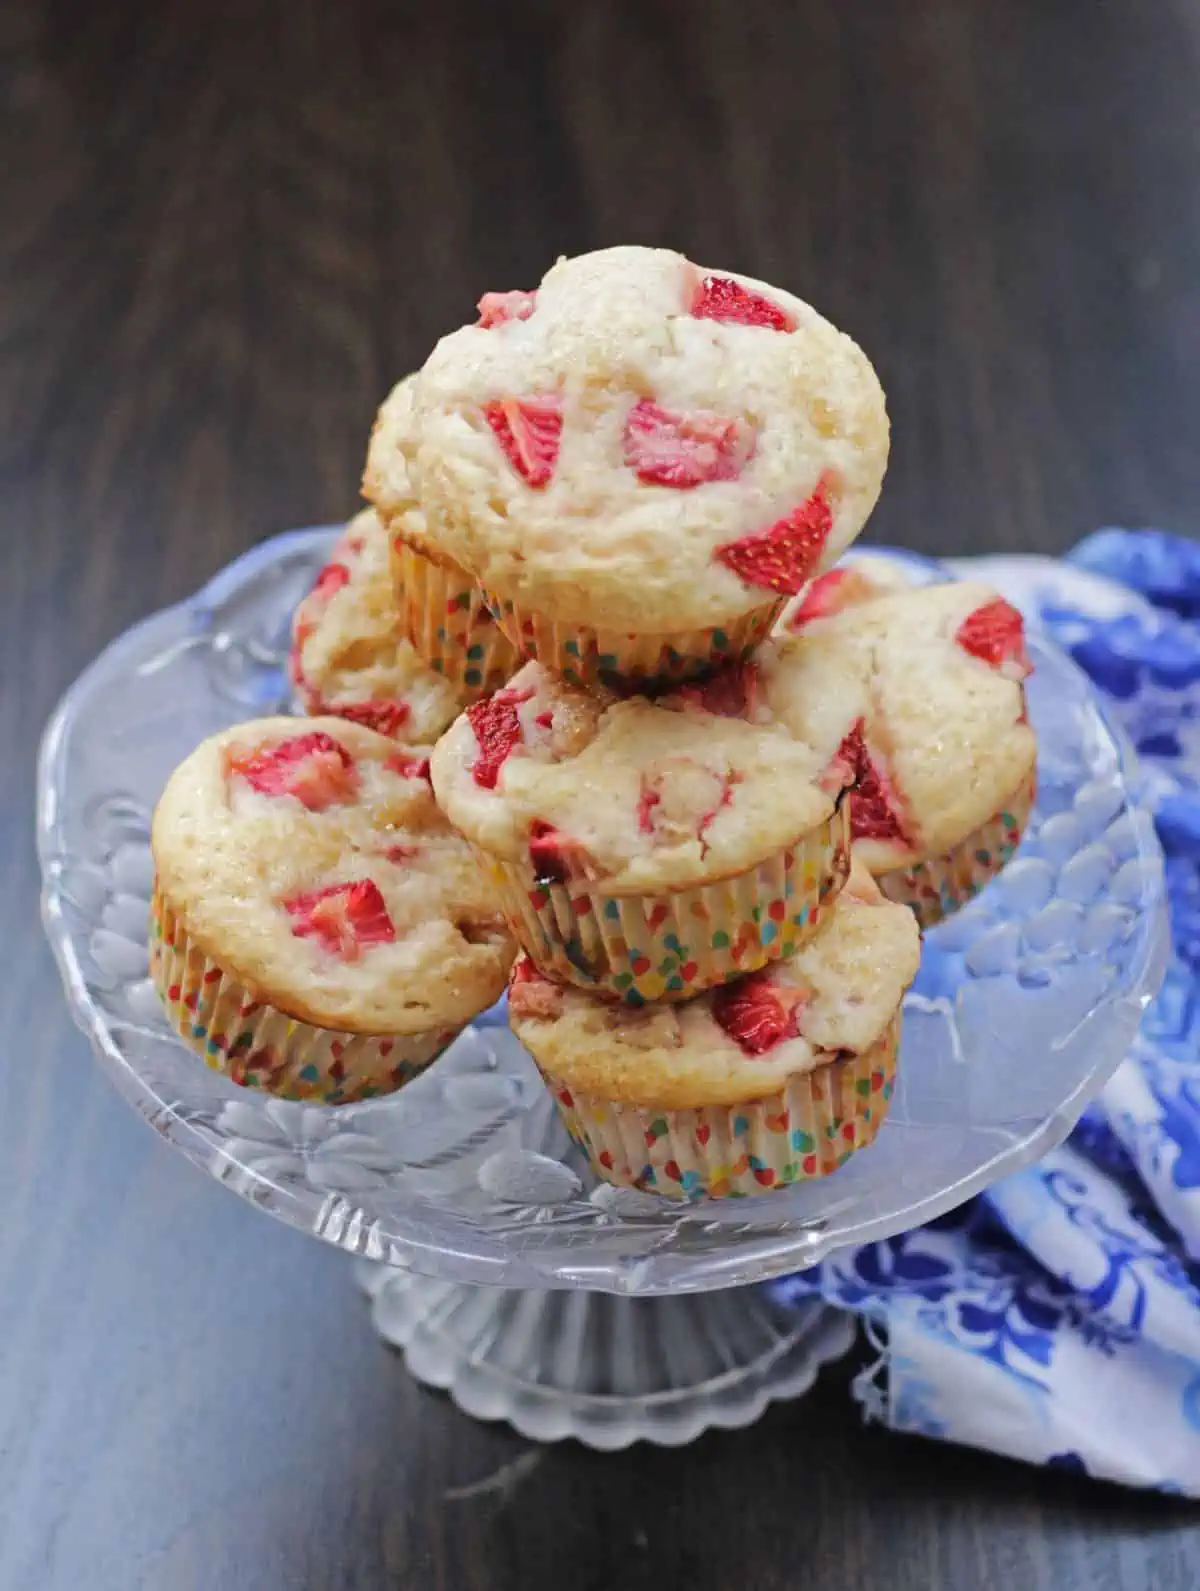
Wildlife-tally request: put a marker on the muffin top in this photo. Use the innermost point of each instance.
(642, 443)
(919, 697)
(638, 795)
(865, 577)
(347, 657)
(743, 1040)
(308, 858)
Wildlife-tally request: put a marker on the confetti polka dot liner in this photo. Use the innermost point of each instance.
(806, 1130)
(260, 1046)
(673, 945)
(444, 617)
(938, 886)
(622, 662)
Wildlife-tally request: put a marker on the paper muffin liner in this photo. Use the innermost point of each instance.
(442, 613)
(939, 885)
(260, 1046)
(807, 1129)
(631, 662)
(673, 944)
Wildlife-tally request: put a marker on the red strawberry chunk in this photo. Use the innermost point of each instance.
(783, 557)
(686, 449)
(648, 799)
(408, 764)
(721, 298)
(728, 780)
(497, 728)
(556, 857)
(496, 308)
(331, 579)
(529, 431)
(399, 854)
(756, 1013)
(344, 918)
(874, 805)
(385, 718)
(532, 995)
(316, 769)
(996, 633)
(732, 692)
(827, 594)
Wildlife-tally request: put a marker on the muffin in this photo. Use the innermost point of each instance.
(638, 849)
(317, 929)
(870, 575)
(918, 697)
(773, 1079)
(441, 610)
(348, 658)
(641, 461)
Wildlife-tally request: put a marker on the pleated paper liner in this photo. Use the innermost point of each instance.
(806, 1130)
(444, 616)
(260, 1046)
(671, 945)
(624, 662)
(938, 886)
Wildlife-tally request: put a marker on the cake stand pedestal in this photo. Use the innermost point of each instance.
(604, 1369)
(493, 1258)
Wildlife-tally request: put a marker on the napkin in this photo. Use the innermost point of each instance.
(1056, 1317)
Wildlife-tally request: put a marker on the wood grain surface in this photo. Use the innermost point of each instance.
(226, 226)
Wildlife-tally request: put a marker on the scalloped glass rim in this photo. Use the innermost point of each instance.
(503, 1225)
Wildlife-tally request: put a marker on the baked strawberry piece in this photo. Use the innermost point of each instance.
(343, 918)
(556, 857)
(684, 450)
(496, 725)
(730, 692)
(314, 769)
(496, 309)
(785, 556)
(409, 764)
(869, 576)
(528, 430)
(724, 299)
(758, 1012)
(875, 811)
(995, 633)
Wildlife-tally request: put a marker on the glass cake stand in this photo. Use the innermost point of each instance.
(491, 1255)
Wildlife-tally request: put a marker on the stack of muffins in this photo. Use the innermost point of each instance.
(708, 784)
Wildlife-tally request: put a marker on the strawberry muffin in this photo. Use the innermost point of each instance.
(317, 929)
(917, 698)
(644, 458)
(347, 657)
(773, 1079)
(866, 577)
(642, 850)
(441, 610)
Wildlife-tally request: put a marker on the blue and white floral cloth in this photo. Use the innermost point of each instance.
(1056, 1318)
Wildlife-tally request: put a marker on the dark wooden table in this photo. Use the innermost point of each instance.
(226, 226)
